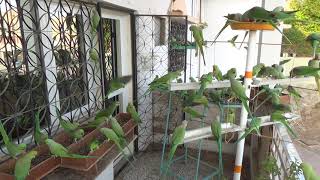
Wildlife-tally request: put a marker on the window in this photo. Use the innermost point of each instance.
(160, 31)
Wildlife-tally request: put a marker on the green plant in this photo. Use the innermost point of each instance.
(294, 170)
(269, 167)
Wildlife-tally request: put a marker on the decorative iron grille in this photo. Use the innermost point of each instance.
(45, 64)
(155, 56)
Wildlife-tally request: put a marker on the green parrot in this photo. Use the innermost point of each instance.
(176, 140)
(192, 79)
(93, 53)
(239, 91)
(278, 116)
(95, 20)
(118, 83)
(314, 63)
(94, 145)
(205, 80)
(278, 67)
(230, 73)
(104, 115)
(307, 71)
(285, 61)
(293, 92)
(201, 100)
(193, 113)
(116, 127)
(13, 149)
(254, 126)
(216, 129)
(216, 97)
(57, 150)
(39, 137)
(23, 165)
(231, 115)
(198, 37)
(112, 136)
(72, 129)
(163, 82)
(134, 114)
(259, 14)
(233, 40)
(274, 93)
(282, 107)
(217, 74)
(257, 68)
(314, 39)
(308, 172)
(271, 72)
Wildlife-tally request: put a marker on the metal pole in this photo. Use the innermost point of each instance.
(251, 57)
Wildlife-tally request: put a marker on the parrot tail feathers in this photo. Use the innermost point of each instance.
(78, 156)
(170, 157)
(286, 124)
(246, 133)
(246, 106)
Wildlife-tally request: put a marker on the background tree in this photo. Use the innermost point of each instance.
(308, 22)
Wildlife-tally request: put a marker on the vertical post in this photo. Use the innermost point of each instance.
(251, 56)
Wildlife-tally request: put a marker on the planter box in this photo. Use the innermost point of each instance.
(80, 147)
(41, 166)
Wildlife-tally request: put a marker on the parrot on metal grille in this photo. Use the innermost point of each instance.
(39, 137)
(59, 150)
(93, 53)
(198, 37)
(13, 149)
(23, 165)
(95, 19)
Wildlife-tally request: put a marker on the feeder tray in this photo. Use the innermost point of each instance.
(251, 26)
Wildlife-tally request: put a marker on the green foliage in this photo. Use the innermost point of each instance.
(268, 167)
(293, 171)
(307, 22)
(299, 45)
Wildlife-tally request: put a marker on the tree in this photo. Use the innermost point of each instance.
(308, 21)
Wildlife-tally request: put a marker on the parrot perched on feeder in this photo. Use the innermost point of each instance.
(23, 165)
(39, 137)
(257, 68)
(254, 126)
(217, 74)
(134, 114)
(193, 113)
(239, 91)
(307, 71)
(118, 83)
(163, 82)
(13, 149)
(230, 73)
(216, 129)
(58, 150)
(198, 37)
(177, 139)
(278, 116)
(205, 80)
